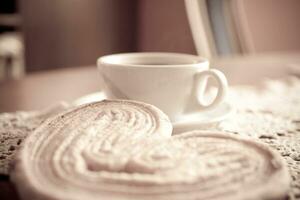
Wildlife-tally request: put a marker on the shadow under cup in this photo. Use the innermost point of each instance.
(173, 82)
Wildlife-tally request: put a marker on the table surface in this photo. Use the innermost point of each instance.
(38, 90)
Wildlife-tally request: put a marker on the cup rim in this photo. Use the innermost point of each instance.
(196, 61)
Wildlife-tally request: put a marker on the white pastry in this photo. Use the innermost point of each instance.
(124, 150)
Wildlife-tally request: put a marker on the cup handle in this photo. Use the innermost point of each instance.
(201, 83)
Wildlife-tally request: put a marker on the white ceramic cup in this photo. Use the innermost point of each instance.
(173, 82)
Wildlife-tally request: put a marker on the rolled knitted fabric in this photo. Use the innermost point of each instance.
(118, 149)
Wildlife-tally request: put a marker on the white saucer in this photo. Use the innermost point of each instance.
(203, 120)
(89, 98)
(200, 120)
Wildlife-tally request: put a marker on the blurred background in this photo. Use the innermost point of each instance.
(51, 34)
